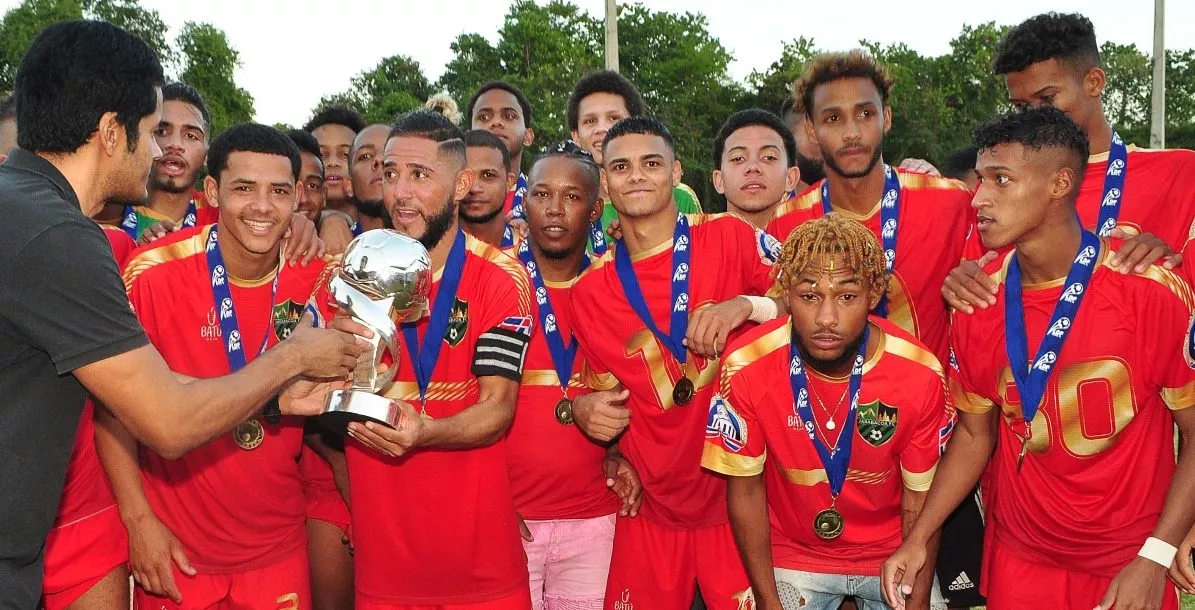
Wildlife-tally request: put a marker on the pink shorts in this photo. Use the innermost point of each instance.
(568, 562)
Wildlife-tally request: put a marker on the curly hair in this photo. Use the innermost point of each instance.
(336, 115)
(1036, 128)
(445, 105)
(830, 67)
(1069, 38)
(749, 118)
(833, 235)
(603, 81)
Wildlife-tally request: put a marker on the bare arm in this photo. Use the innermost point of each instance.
(117, 451)
(747, 499)
(911, 503)
(336, 461)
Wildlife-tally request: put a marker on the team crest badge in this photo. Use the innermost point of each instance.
(458, 323)
(286, 317)
(876, 422)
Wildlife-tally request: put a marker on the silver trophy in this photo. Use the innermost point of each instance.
(385, 277)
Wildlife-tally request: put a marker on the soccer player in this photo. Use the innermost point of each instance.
(1076, 379)
(562, 480)
(922, 221)
(335, 127)
(311, 175)
(1128, 192)
(501, 109)
(754, 164)
(365, 172)
(493, 172)
(809, 156)
(433, 519)
(648, 384)
(224, 524)
(56, 265)
(851, 462)
(960, 165)
(8, 126)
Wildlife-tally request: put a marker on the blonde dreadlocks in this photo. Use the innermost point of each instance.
(833, 235)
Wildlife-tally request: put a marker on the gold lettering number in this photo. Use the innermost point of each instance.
(290, 601)
(1094, 404)
(665, 371)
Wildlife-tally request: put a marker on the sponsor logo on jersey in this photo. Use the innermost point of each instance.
(961, 583)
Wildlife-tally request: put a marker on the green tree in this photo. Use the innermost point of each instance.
(1130, 73)
(396, 85)
(208, 64)
(768, 89)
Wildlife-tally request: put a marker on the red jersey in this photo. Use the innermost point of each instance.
(1101, 454)
(1156, 198)
(555, 470)
(437, 526)
(664, 440)
(122, 244)
(903, 410)
(933, 231)
(233, 510)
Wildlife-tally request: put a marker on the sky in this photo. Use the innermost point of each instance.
(296, 52)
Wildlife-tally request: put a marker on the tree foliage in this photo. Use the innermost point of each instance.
(209, 63)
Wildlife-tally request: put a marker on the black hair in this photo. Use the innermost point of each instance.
(524, 105)
(747, 118)
(568, 149)
(831, 67)
(183, 92)
(787, 106)
(251, 137)
(960, 163)
(336, 115)
(305, 141)
(1036, 128)
(73, 73)
(431, 125)
(480, 138)
(644, 125)
(1069, 38)
(8, 108)
(603, 81)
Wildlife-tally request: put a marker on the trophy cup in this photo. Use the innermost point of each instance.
(384, 277)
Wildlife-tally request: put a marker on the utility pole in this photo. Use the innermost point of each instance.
(612, 35)
(1157, 127)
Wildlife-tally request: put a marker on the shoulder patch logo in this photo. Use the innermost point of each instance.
(876, 422)
(724, 424)
(286, 318)
(458, 323)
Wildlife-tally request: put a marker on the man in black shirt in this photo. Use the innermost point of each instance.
(88, 95)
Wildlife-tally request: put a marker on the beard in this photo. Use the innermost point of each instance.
(438, 225)
(875, 158)
(812, 170)
(375, 208)
(480, 219)
(168, 185)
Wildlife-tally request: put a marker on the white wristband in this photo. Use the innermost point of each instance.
(763, 309)
(1158, 551)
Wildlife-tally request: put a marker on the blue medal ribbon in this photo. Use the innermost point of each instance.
(424, 357)
(517, 211)
(598, 237)
(230, 330)
(835, 459)
(679, 320)
(1031, 380)
(889, 218)
(1118, 166)
(562, 357)
(128, 222)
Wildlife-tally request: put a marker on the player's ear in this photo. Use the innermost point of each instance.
(677, 172)
(464, 182)
(111, 133)
(211, 190)
(1063, 184)
(887, 119)
(528, 137)
(791, 178)
(719, 185)
(810, 133)
(1094, 82)
(876, 294)
(511, 180)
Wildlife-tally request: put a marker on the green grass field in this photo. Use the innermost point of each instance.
(1188, 602)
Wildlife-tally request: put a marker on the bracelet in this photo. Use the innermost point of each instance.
(763, 309)
(1158, 551)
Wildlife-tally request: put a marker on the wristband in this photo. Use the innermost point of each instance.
(763, 309)
(1158, 551)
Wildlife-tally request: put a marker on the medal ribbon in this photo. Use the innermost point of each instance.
(679, 320)
(835, 459)
(1118, 166)
(1031, 381)
(424, 357)
(129, 222)
(598, 237)
(562, 357)
(517, 211)
(889, 218)
(230, 330)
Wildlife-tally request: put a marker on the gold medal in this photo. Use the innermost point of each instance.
(564, 411)
(828, 524)
(683, 393)
(249, 435)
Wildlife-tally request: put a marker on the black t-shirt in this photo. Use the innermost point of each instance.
(62, 307)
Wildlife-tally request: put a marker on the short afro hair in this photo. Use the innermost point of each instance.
(639, 125)
(480, 138)
(960, 163)
(431, 125)
(1069, 38)
(73, 73)
(8, 108)
(568, 149)
(747, 118)
(831, 67)
(305, 141)
(336, 115)
(251, 137)
(182, 92)
(788, 106)
(524, 105)
(603, 81)
(1039, 129)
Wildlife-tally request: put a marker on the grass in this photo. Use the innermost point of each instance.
(1188, 602)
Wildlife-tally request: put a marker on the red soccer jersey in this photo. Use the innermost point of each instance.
(664, 440)
(122, 244)
(234, 510)
(903, 410)
(555, 470)
(932, 235)
(1102, 450)
(437, 526)
(1156, 198)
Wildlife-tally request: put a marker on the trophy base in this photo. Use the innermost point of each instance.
(347, 406)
